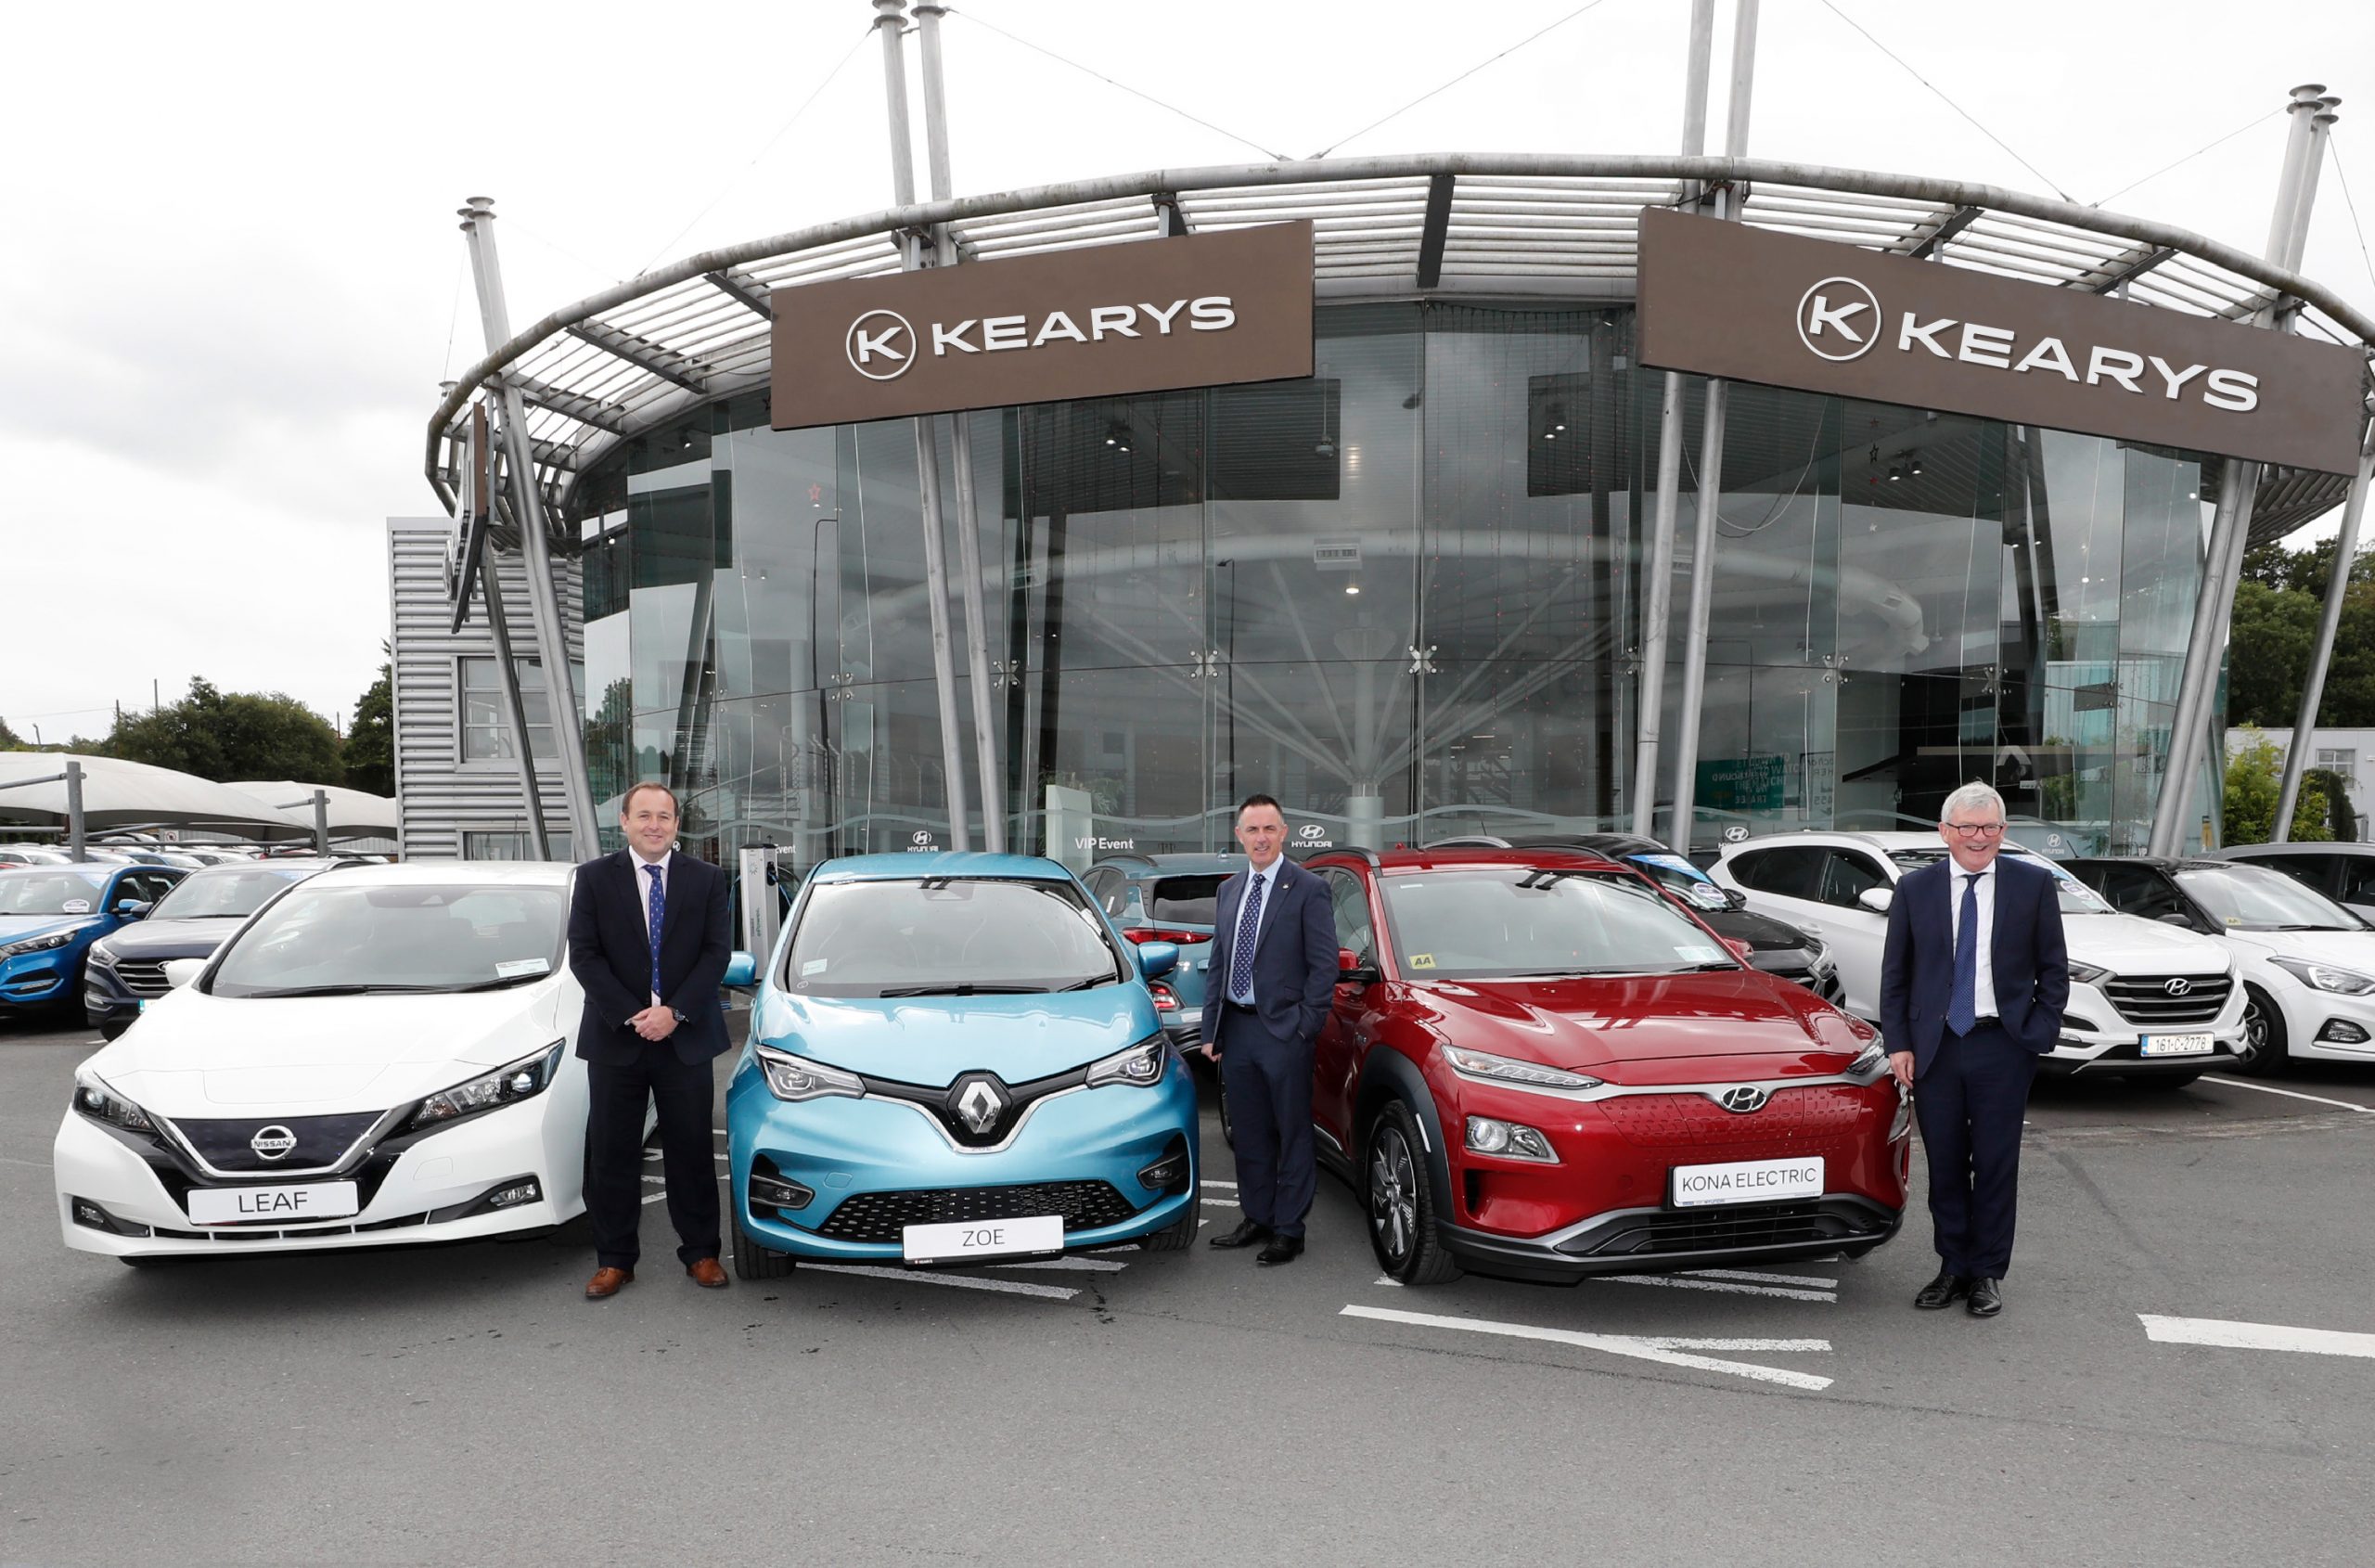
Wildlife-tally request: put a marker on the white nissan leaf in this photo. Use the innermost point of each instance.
(381, 1055)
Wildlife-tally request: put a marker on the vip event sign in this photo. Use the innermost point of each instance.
(1722, 298)
(1195, 311)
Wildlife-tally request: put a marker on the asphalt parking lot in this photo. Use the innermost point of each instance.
(464, 1405)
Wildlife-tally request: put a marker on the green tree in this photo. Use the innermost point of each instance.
(2342, 817)
(8, 739)
(2268, 655)
(223, 735)
(371, 740)
(2254, 776)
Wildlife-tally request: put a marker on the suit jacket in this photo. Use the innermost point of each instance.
(2030, 965)
(1294, 955)
(611, 955)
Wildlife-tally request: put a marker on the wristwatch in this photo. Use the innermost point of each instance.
(680, 1015)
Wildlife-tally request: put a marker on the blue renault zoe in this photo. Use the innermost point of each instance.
(954, 1058)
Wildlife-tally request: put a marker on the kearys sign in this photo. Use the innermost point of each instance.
(1195, 311)
(1722, 298)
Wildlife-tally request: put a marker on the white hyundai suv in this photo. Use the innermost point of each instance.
(2147, 999)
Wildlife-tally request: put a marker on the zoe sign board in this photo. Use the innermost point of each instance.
(1722, 298)
(1195, 311)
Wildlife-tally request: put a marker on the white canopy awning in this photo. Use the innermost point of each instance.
(353, 813)
(125, 795)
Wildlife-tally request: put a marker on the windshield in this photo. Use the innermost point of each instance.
(2248, 898)
(1501, 922)
(220, 894)
(943, 936)
(49, 892)
(2077, 898)
(343, 939)
(1185, 901)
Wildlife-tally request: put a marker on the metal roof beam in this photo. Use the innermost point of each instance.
(1435, 230)
(2136, 266)
(742, 292)
(1954, 224)
(1171, 220)
(644, 355)
(585, 410)
(553, 455)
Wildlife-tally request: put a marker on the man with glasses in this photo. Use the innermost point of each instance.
(1973, 982)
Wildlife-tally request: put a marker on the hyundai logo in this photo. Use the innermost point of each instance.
(1743, 1099)
(1839, 319)
(1312, 830)
(920, 836)
(981, 1106)
(2179, 986)
(881, 335)
(272, 1142)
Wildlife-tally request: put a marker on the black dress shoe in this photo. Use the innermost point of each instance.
(1986, 1298)
(1945, 1290)
(1283, 1249)
(1245, 1235)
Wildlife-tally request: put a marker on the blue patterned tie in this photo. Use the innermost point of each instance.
(1962, 1009)
(658, 914)
(1241, 956)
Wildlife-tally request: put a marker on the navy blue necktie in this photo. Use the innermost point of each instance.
(658, 914)
(1241, 957)
(1962, 1009)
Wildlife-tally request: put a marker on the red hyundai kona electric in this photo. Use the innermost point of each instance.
(1539, 1067)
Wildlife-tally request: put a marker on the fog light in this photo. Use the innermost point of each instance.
(776, 1192)
(1508, 1140)
(2342, 1032)
(1167, 1171)
(511, 1197)
(93, 1217)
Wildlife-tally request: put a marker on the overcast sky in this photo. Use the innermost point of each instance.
(233, 278)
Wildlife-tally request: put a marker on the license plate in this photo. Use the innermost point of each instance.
(1747, 1181)
(229, 1205)
(1037, 1236)
(2178, 1044)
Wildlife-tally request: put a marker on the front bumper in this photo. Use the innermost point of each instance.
(1650, 1240)
(2096, 1040)
(38, 980)
(106, 997)
(892, 1155)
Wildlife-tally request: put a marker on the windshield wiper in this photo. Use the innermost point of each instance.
(965, 988)
(499, 981)
(331, 991)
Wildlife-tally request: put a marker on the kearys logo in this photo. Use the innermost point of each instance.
(880, 345)
(1839, 318)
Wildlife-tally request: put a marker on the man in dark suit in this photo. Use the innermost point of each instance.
(1973, 982)
(1272, 978)
(649, 940)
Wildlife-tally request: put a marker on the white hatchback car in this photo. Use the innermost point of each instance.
(2147, 1001)
(381, 1055)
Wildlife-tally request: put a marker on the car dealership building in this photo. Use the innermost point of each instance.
(1376, 485)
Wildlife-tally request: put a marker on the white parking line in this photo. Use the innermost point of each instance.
(1762, 1279)
(1665, 1352)
(1075, 1266)
(1684, 1282)
(655, 1179)
(962, 1282)
(655, 1197)
(1230, 1185)
(2255, 1336)
(2289, 1094)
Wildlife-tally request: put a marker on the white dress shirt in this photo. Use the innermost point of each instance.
(1983, 982)
(643, 891)
(1267, 880)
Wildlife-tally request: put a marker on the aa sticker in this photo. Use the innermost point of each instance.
(1422, 961)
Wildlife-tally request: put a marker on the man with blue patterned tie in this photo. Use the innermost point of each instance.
(1274, 960)
(1974, 981)
(650, 937)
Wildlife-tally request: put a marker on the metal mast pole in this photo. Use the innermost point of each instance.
(890, 23)
(990, 777)
(476, 506)
(76, 826)
(1711, 471)
(2230, 526)
(2313, 691)
(1657, 593)
(528, 511)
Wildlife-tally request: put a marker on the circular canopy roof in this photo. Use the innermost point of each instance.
(353, 813)
(125, 795)
(641, 353)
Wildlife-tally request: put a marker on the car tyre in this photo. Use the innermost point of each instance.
(2264, 1046)
(1180, 1236)
(113, 1028)
(753, 1262)
(1398, 1198)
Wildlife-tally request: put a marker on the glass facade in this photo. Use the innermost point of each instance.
(1402, 596)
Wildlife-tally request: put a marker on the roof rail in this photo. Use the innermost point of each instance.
(1362, 850)
(1469, 841)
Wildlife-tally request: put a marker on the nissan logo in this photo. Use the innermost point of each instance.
(2179, 986)
(979, 1106)
(272, 1142)
(884, 335)
(1743, 1099)
(1839, 319)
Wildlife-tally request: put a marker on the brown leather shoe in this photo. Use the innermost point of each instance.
(606, 1282)
(708, 1273)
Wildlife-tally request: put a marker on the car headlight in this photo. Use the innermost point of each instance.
(101, 955)
(796, 1078)
(2088, 975)
(2326, 977)
(1823, 962)
(100, 1103)
(1869, 1064)
(1508, 1140)
(523, 1079)
(40, 944)
(1488, 1068)
(1141, 1064)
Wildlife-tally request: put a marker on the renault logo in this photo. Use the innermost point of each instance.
(981, 1106)
(272, 1142)
(1743, 1099)
(1839, 318)
(880, 345)
(2179, 986)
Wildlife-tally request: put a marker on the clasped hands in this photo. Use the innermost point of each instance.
(654, 1023)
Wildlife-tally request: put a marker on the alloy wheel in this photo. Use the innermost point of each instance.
(1393, 1212)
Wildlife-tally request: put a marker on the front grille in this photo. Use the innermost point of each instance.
(1793, 1117)
(143, 977)
(1769, 1225)
(2144, 1000)
(882, 1217)
(321, 1140)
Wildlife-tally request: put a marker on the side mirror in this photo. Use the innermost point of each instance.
(1740, 949)
(741, 971)
(1877, 899)
(1736, 898)
(1352, 969)
(133, 909)
(2173, 919)
(180, 971)
(1157, 959)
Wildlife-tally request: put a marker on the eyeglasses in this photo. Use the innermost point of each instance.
(1974, 829)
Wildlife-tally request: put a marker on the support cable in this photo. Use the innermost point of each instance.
(1950, 103)
(2335, 153)
(2189, 157)
(1570, 15)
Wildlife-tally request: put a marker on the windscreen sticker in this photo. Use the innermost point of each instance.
(1708, 897)
(812, 966)
(517, 967)
(75, 907)
(1697, 954)
(1422, 961)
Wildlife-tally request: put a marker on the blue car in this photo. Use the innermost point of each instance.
(954, 1058)
(49, 917)
(1168, 898)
